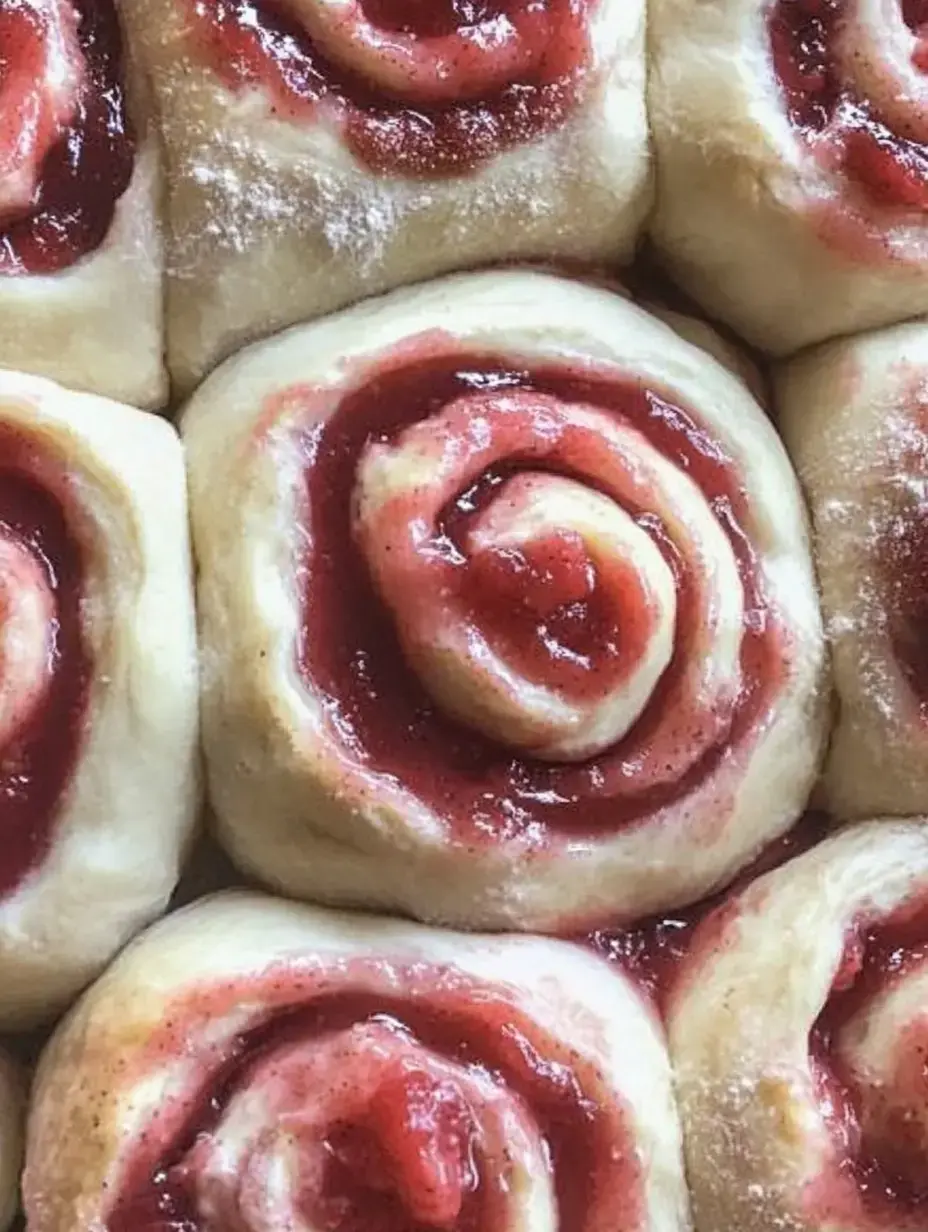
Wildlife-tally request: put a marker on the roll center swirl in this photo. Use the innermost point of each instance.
(389, 1111)
(41, 68)
(27, 611)
(416, 89)
(884, 1051)
(853, 72)
(539, 611)
(869, 1050)
(67, 150)
(460, 52)
(44, 658)
(884, 59)
(408, 1136)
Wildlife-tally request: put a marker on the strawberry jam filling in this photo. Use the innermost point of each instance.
(879, 1130)
(842, 117)
(384, 1108)
(571, 621)
(555, 614)
(66, 145)
(418, 88)
(44, 664)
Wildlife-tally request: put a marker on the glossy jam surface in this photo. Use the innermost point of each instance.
(88, 168)
(547, 607)
(37, 758)
(411, 1159)
(875, 957)
(449, 85)
(380, 713)
(890, 168)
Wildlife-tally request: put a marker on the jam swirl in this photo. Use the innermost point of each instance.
(440, 1108)
(66, 143)
(869, 1048)
(44, 662)
(853, 73)
(529, 595)
(799, 1035)
(417, 89)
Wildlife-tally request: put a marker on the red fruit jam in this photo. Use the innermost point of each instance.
(88, 167)
(37, 761)
(449, 84)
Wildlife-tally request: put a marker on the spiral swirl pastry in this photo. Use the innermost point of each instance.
(506, 607)
(798, 1042)
(257, 1065)
(326, 150)
(792, 137)
(420, 91)
(855, 417)
(12, 1110)
(78, 190)
(98, 685)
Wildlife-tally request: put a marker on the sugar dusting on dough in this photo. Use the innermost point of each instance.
(247, 192)
(727, 1157)
(866, 622)
(889, 494)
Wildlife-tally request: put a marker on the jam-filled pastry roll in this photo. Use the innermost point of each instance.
(791, 139)
(80, 251)
(322, 151)
(98, 685)
(507, 609)
(855, 417)
(798, 1034)
(258, 1065)
(12, 1116)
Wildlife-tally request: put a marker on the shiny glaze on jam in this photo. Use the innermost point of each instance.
(263, 43)
(891, 169)
(88, 170)
(381, 715)
(548, 609)
(412, 1130)
(874, 956)
(36, 768)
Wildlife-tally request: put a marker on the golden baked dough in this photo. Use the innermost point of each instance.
(791, 163)
(855, 418)
(420, 155)
(95, 324)
(507, 609)
(98, 685)
(798, 1035)
(353, 1065)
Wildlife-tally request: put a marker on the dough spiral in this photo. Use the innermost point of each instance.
(855, 418)
(323, 151)
(255, 1064)
(506, 607)
(792, 147)
(798, 1037)
(98, 685)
